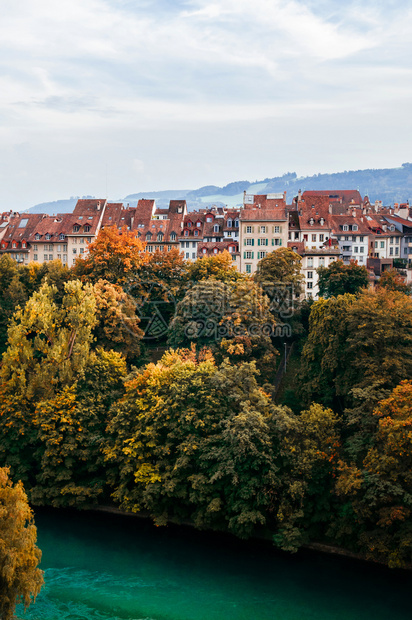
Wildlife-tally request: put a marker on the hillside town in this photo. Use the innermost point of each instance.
(320, 226)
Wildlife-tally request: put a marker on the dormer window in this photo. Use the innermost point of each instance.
(87, 228)
(37, 236)
(204, 250)
(345, 227)
(189, 224)
(236, 223)
(215, 251)
(311, 221)
(322, 221)
(61, 236)
(23, 244)
(173, 236)
(149, 236)
(196, 233)
(186, 233)
(160, 236)
(355, 227)
(229, 223)
(76, 228)
(209, 218)
(216, 228)
(198, 224)
(48, 236)
(14, 244)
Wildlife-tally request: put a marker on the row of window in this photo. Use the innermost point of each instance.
(262, 229)
(262, 241)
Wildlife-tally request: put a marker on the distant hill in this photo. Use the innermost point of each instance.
(387, 184)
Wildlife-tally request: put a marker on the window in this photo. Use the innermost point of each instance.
(173, 236)
(81, 240)
(209, 219)
(45, 257)
(64, 247)
(81, 250)
(345, 227)
(193, 244)
(187, 255)
(148, 236)
(198, 224)
(189, 224)
(397, 240)
(263, 229)
(391, 251)
(35, 257)
(160, 236)
(396, 251)
(86, 228)
(382, 244)
(310, 275)
(362, 249)
(187, 244)
(169, 247)
(248, 268)
(391, 240)
(321, 261)
(61, 236)
(261, 254)
(346, 238)
(249, 255)
(193, 254)
(263, 241)
(276, 241)
(196, 233)
(248, 229)
(35, 247)
(361, 239)
(321, 237)
(346, 248)
(249, 242)
(355, 227)
(37, 236)
(150, 248)
(74, 250)
(186, 233)
(76, 228)
(276, 229)
(65, 258)
(204, 250)
(310, 284)
(236, 223)
(376, 244)
(356, 250)
(310, 261)
(229, 223)
(50, 256)
(48, 236)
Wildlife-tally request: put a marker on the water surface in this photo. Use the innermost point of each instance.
(109, 567)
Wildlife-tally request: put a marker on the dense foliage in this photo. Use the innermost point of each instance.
(20, 579)
(197, 435)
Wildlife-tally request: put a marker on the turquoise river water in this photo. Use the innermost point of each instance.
(111, 567)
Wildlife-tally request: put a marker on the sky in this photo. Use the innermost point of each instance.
(112, 97)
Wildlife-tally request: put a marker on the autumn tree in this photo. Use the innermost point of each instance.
(117, 323)
(283, 267)
(232, 317)
(391, 280)
(48, 348)
(114, 256)
(218, 267)
(20, 579)
(190, 441)
(338, 278)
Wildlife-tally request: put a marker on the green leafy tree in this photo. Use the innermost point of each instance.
(190, 441)
(354, 342)
(338, 279)
(20, 579)
(283, 266)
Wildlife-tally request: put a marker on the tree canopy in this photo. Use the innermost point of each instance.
(338, 279)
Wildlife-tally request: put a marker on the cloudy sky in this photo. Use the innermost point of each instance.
(118, 96)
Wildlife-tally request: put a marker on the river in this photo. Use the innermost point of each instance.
(110, 567)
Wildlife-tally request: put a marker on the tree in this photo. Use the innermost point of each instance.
(118, 326)
(354, 342)
(231, 317)
(20, 579)
(283, 266)
(219, 267)
(114, 255)
(48, 349)
(190, 441)
(391, 280)
(378, 490)
(338, 279)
